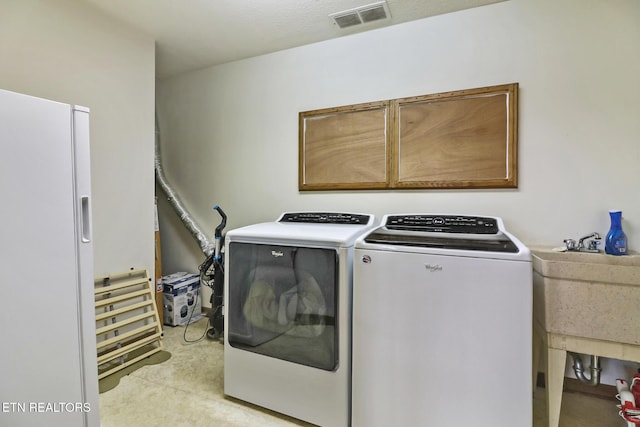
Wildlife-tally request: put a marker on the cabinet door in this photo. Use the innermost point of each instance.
(345, 147)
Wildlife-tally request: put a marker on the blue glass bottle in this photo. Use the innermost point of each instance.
(616, 241)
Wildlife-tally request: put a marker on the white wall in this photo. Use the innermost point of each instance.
(230, 133)
(65, 51)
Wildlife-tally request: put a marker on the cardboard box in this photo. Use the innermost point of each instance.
(182, 299)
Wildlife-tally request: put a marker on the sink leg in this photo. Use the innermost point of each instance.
(556, 361)
(537, 348)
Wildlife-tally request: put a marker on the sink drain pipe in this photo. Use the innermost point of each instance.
(578, 369)
(203, 241)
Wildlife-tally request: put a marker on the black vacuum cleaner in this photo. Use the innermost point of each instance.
(212, 274)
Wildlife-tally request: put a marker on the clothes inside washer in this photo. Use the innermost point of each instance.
(299, 311)
(282, 302)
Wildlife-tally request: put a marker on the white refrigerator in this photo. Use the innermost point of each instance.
(48, 366)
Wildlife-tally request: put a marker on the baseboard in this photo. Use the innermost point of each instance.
(573, 385)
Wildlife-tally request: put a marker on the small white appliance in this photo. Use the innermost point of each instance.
(288, 314)
(48, 369)
(442, 324)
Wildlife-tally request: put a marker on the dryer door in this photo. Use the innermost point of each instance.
(282, 302)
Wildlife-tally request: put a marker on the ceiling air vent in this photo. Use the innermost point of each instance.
(360, 15)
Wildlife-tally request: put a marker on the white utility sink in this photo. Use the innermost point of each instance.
(587, 295)
(584, 303)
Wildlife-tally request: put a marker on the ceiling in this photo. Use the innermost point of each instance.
(192, 34)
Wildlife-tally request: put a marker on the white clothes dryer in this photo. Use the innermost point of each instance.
(442, 324)
(288, 288)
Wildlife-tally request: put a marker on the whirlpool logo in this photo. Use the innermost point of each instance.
(432, 268)
(277, 254)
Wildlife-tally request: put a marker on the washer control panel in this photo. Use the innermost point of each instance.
(326, 218)
(443, 224)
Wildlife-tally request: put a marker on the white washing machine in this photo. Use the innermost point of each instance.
(288, 288)
(442, 324)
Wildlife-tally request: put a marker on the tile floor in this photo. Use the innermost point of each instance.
(187, 391)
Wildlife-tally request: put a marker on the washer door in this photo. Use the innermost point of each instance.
(282, 302)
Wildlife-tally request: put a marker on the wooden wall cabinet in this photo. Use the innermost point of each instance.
(345, 147)
(461, 139)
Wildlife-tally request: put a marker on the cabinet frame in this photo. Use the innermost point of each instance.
(459, 139)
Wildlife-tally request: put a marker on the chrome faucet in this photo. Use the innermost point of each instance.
(580, 247)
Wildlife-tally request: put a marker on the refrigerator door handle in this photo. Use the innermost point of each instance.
(85, 219)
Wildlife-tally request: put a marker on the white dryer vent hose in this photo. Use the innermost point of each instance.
(203, 241)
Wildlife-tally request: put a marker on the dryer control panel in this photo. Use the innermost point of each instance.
(326, 218)
(443, 224)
